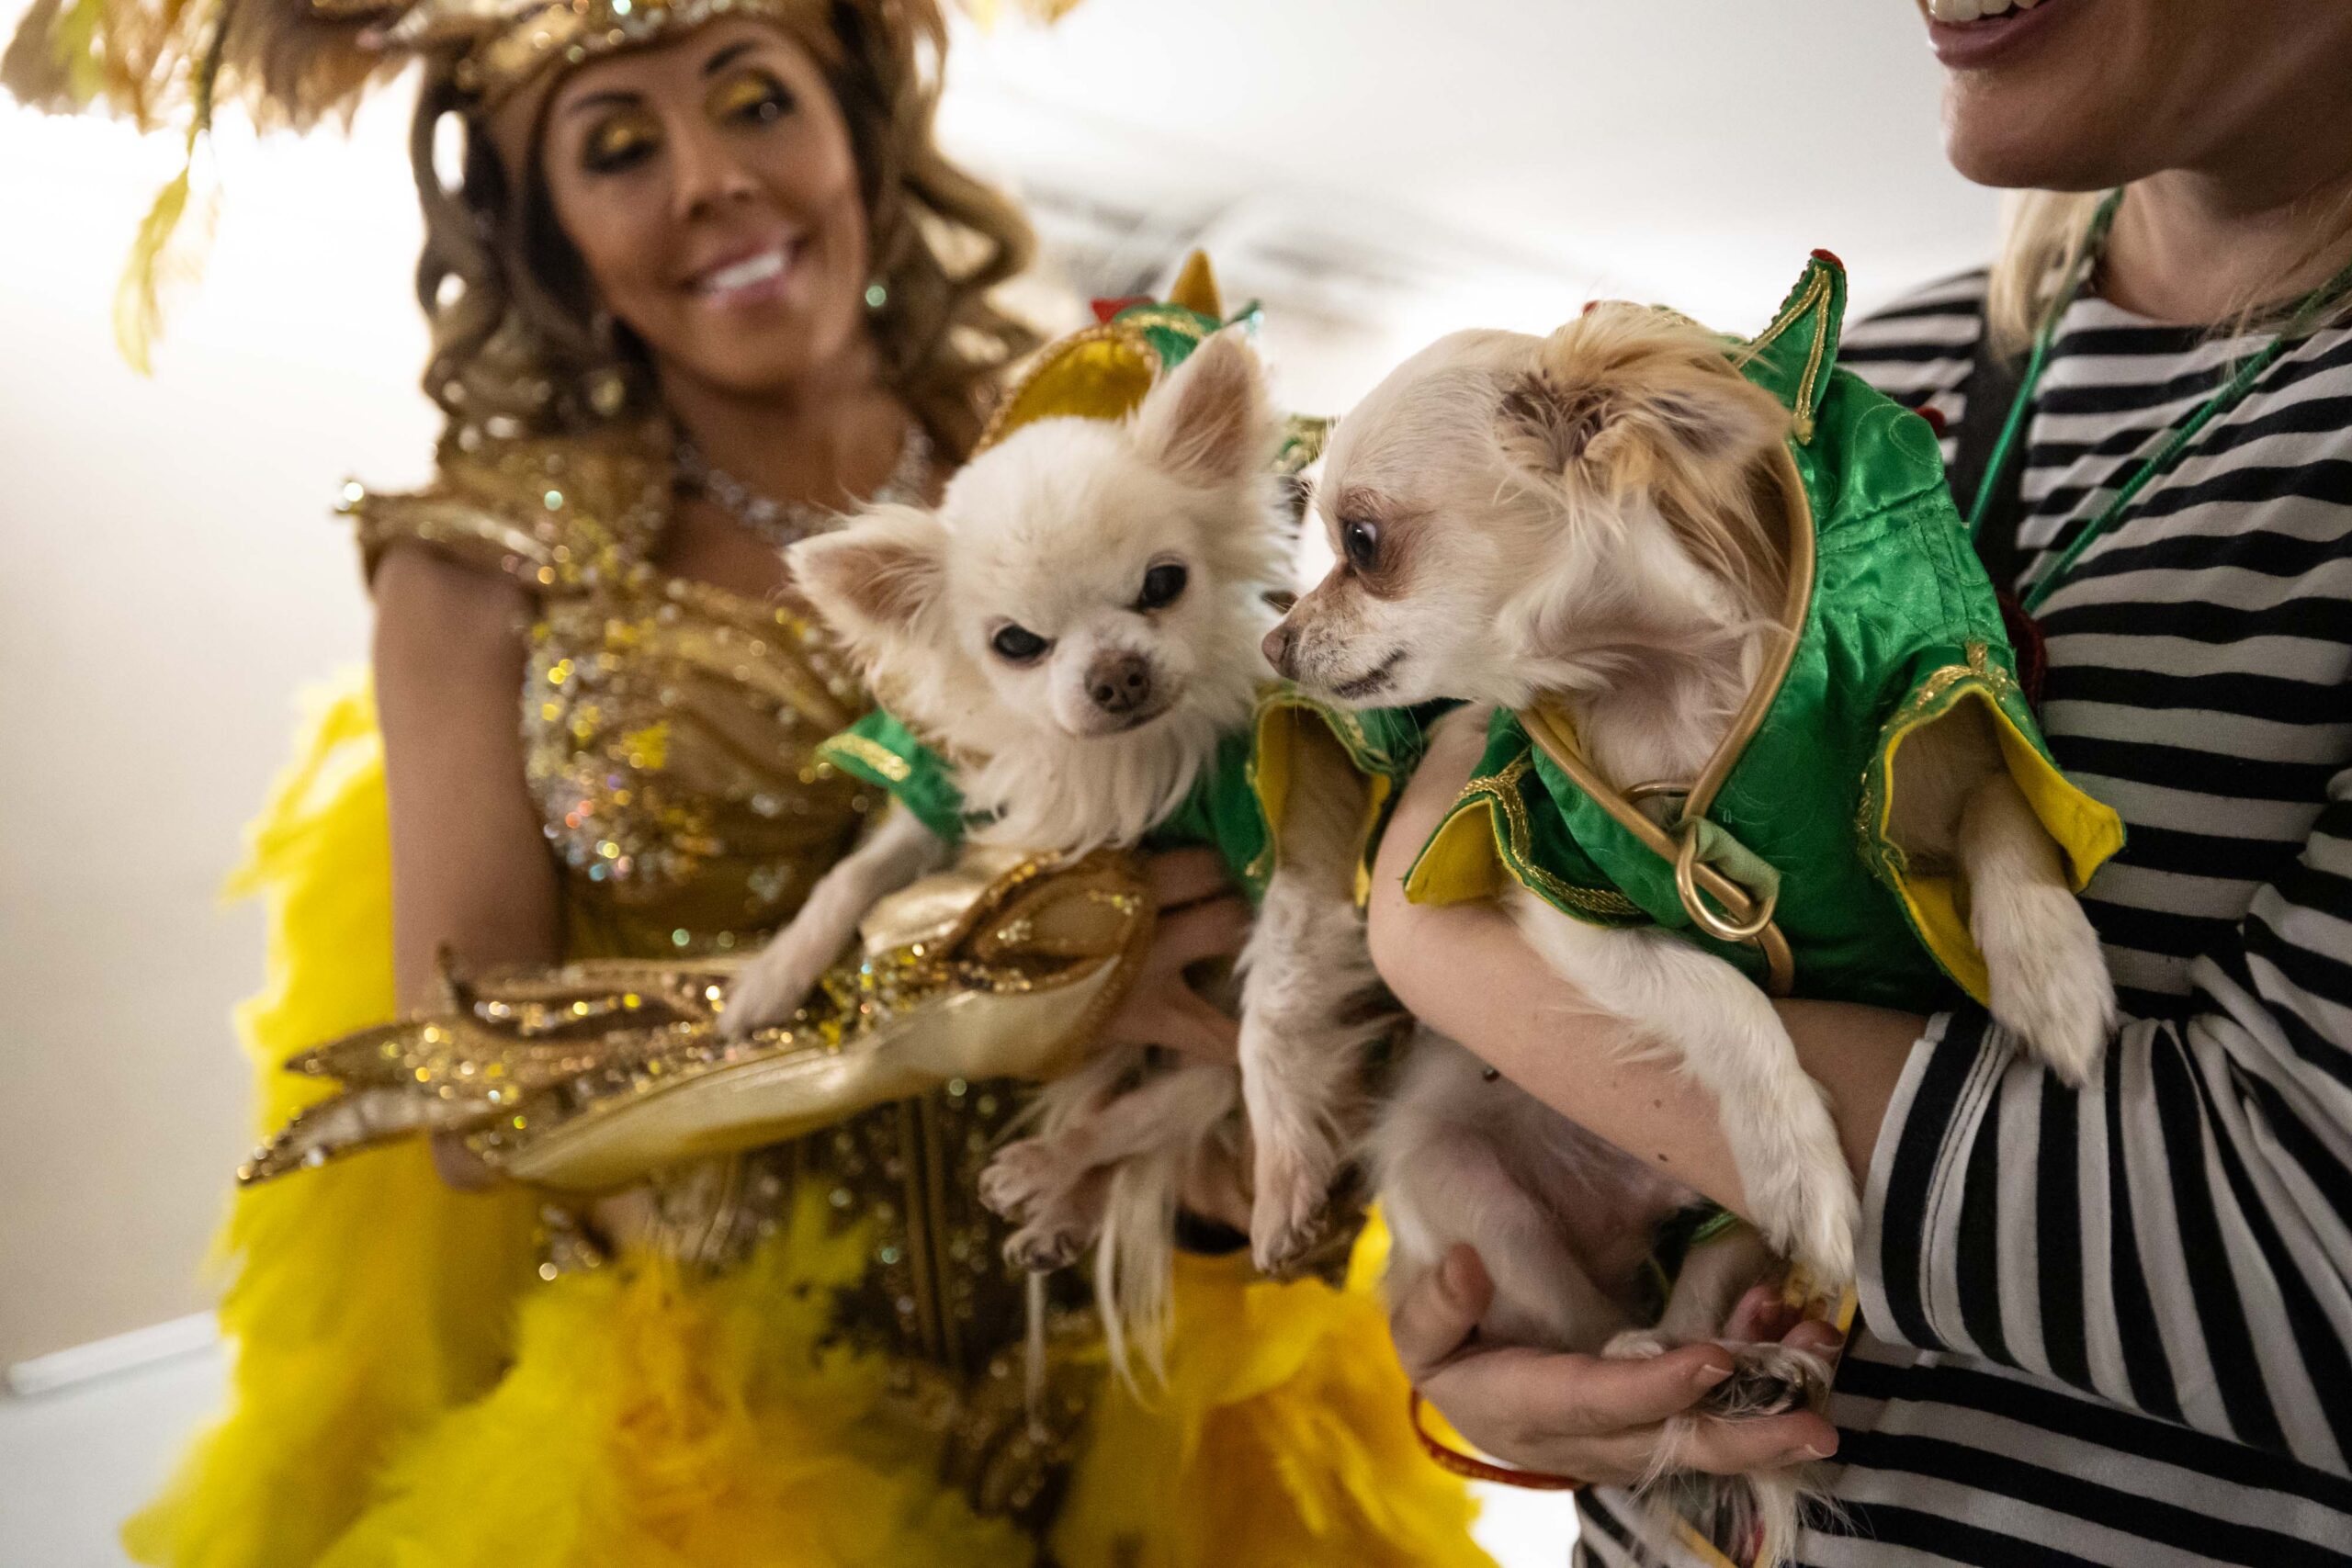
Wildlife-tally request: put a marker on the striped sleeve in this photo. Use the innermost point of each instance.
(2176, 1236)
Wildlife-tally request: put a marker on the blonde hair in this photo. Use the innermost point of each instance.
(517, 348)
(2043, 236)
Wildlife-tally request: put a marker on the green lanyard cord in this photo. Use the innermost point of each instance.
(2013, 427)
(2177, 439)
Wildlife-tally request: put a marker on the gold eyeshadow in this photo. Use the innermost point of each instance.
(620, 139)
(747, 94)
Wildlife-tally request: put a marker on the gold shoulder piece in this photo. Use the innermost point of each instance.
(546, 509)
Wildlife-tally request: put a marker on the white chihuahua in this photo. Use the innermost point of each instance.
(1587, 520)
(1076, 629)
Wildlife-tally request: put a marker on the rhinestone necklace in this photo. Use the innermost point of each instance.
(782, 522)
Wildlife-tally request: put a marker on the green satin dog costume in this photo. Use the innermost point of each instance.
(1899, 627)
(1103, 372)
(1232, 808)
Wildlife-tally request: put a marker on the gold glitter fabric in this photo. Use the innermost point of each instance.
(669, 725)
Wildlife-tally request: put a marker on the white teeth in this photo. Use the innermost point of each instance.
(1975, 10)
(743, 273)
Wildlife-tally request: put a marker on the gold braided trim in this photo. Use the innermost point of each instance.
(1503, 789)
(858, 749)
(1813, 298)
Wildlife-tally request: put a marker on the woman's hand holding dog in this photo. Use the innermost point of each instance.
(1200, 919)
(1598, 1420)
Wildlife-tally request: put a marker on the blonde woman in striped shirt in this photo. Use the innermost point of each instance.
(2111, 1325)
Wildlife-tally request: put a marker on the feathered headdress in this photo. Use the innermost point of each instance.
(295, 62)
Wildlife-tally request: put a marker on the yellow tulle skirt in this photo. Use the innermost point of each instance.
(407, 1393)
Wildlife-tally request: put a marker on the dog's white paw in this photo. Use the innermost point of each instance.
(1801, 1195)
(1052, 1241)
(774, 985)
(1022, 1177)
(1290, 1210)
(2050, 984)
(1034, 1184)
(1766, 1380)
(1635, 1345)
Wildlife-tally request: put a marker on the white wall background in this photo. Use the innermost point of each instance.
(1380, 171)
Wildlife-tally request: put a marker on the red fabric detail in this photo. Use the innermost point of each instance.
(2025, 637)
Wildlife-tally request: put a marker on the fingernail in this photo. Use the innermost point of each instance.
(1814, 1450)
(1708, 1376)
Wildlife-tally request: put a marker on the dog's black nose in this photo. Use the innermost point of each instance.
(1277, 649)
(1119, 683)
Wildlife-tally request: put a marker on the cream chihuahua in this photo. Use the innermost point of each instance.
(1077, 626)
(1586, 519)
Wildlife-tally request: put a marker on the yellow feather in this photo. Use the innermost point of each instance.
(138, 308)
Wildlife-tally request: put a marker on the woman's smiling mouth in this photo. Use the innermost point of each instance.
(1977, 32)
(752, 278)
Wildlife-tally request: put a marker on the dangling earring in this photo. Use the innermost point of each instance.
(607, 384)
(607, 392)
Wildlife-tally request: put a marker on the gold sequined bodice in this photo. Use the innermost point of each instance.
(668, 724)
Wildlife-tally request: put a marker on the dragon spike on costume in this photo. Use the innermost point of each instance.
(166, 63)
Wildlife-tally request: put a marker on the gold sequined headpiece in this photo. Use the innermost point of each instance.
(506, 44)
(294, 62)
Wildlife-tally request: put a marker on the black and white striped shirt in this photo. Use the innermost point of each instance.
(2115, 1326)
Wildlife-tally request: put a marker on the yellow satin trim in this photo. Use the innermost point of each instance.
(1292, 735)
(2087, 830)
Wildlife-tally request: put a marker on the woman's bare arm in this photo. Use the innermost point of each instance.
(470, 868)
(1466, 971)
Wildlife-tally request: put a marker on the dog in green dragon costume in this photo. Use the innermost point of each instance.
(1751, 715)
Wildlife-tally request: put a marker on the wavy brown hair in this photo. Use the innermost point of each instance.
(516, 346)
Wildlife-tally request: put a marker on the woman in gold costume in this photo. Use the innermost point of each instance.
(696, 271)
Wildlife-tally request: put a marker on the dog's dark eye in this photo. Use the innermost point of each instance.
(1162, 586)
(1361, 542)
(1017, 645)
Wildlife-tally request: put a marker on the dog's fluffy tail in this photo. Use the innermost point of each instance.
(1135, 1262)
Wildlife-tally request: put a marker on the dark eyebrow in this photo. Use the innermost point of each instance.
(598, 100)
(728, 56)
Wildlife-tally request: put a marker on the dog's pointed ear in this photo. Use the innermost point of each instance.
(878, 574)
(1209, 421)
